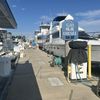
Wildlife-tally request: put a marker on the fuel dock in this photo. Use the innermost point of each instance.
(34, 79)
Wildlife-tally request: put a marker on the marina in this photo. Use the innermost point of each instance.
(61, 61)
(33, 80)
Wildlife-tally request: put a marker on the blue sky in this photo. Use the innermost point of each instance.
(30, 13)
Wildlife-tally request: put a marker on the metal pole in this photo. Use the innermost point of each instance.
(89, 61)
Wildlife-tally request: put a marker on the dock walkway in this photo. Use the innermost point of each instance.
(34, 79)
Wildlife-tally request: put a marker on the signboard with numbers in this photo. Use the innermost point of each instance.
(69, 30)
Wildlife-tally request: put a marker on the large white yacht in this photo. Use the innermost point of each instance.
(64, 29)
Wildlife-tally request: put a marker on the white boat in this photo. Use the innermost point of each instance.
(41, 35)
(64, 29)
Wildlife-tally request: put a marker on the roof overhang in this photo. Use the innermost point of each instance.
(7, 19)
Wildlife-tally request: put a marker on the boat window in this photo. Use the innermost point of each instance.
(48, 38)
(55, 35)
(39, 37)
(42, 37)
(83, 35)
(1, 40)
(55, 24)
(59, 18)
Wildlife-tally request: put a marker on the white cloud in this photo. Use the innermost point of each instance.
(37, 23)
(23, 9)
(47, 18)
(14, 0)
(14, 6)
(90, 25)
(89, 20)
(62, 14)
(89, 14)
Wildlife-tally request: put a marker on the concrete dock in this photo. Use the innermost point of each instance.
(34, 79)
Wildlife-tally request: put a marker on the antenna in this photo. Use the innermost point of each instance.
(62, 14)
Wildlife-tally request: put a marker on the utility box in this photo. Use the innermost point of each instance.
(5, 66)
(78, 71)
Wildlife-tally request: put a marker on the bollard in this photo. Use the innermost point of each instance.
(89, 61)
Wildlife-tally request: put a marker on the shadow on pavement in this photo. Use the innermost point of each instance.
(96, 69)
(24, 85)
